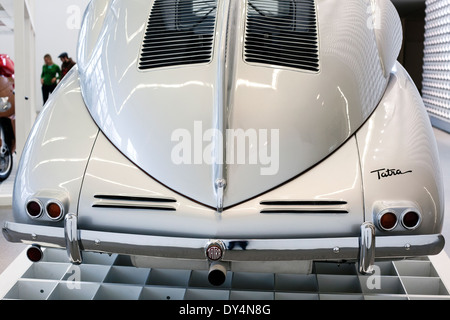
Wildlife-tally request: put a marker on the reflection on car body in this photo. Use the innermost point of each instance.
(358, 177)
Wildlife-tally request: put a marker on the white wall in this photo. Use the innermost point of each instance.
(7, 44)
(57, 25)
(7, 38)
(24, 53)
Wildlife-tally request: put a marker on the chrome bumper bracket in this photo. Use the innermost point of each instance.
(367, 248)
(72, 237)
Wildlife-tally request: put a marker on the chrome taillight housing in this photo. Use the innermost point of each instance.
(47, 206)
(55, 210)
(387, 220)
(397, 216)
(411, 219)
(34, 208)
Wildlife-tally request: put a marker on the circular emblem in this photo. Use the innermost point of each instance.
(214, 252)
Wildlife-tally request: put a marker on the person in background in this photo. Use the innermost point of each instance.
(49, 77)
(67, 64)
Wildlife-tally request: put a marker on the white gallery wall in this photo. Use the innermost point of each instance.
(57, 25)
(7, 27)
(7, 44)
(24, 48)
(40, 27)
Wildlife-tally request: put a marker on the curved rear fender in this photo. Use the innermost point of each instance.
(91, 28)
(387, 26)
(55, 156)
(399, 157)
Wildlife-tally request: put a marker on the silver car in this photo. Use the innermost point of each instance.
(244, 135)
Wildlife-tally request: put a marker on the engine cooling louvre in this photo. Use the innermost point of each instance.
(134, 207)
(134, 203)
(128, 198)
(304, 211)
(303, 203)
(282, 33)
(179, 32)
(304, 207)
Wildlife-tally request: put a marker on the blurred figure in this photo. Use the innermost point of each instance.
(7, 116)
(67, 64)
(6, 66)
(49, 77)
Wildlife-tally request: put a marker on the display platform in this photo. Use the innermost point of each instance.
(104, 277)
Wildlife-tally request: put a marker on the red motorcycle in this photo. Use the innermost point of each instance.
(7, 116)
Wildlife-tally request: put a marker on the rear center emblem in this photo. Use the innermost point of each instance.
(214, 252)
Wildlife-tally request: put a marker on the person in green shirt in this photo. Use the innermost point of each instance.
(49, 77)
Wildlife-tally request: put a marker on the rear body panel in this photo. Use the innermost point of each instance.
(257, 160)
(299, 116)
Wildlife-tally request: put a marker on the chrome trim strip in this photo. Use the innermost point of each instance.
(220, 103)
(220, 186)
(236, 250)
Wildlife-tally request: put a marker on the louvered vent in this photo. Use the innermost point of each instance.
(134, 203)
(179, 32)
(282, 33)
(304, 207)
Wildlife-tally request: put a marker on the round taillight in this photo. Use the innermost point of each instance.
(34, 209)
(34, 254)
(388, 221)
(411, 220)
(54, 210)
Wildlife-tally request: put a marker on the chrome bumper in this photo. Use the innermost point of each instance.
(364, 249)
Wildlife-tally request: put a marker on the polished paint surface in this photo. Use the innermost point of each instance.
(348, 138)
(230, 95)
